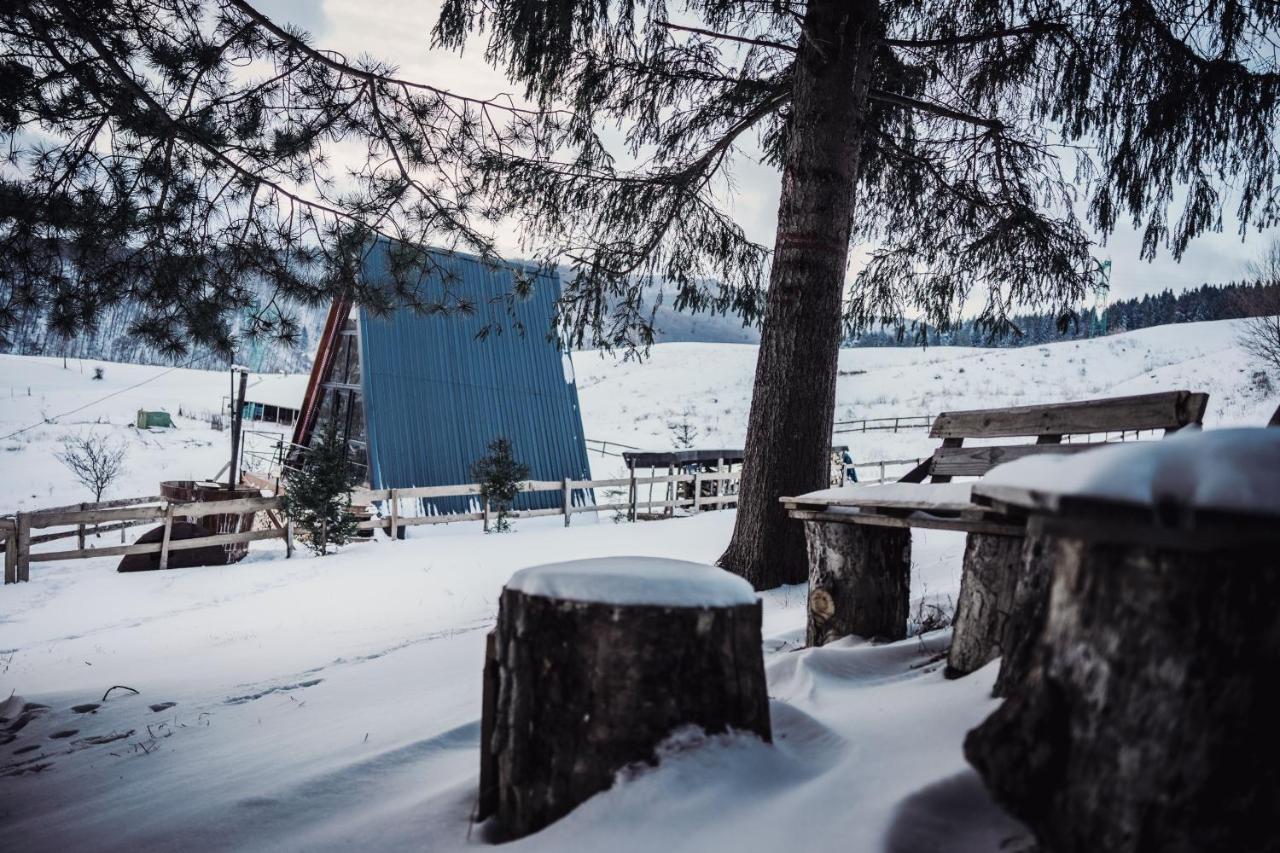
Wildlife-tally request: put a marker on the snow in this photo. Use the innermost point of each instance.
(333, 703)
(635, 581)
(933, 493)
(1225, 469)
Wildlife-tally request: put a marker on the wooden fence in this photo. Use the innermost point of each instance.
(704, 491)
(894, 423)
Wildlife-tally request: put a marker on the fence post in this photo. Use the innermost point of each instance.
(24, 545)
(164, 542)
(881, 472)
(673, 489)
(394, 532)
(288, 538)
(697, 491)
(895, 424)
(486, 515)
(11, 556)
(566, 502)
(632, 495)
(80, 534)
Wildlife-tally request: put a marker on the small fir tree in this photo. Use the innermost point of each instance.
(499, 476)
(318, 499)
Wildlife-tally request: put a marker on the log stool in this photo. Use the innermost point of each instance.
(1143, 722)
(593, 663)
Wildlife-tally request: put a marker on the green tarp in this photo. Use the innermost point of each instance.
(146, 419)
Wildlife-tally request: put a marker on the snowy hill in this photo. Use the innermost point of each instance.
(628, 402)
(333, 703)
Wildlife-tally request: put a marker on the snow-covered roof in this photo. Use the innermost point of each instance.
(635, 581)
(277, 389)
(1223, 469)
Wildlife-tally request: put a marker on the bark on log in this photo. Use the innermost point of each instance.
(1146, 723)
(581, 690)
(859, 581)
(988, 585)
(1028, 613)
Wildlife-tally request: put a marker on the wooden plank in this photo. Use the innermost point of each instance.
(976, 461)
(11, 557)
(566, 502)
(1166, 410)
(41, 538)
(240, 506)
(23, 535)
(967, 525)
(113, 504)
(392, 500)
(535, 513)
(42, 519)
(164, 541)
(154, 547)
(929, 497)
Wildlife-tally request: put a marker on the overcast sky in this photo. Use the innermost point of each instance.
(398, 31)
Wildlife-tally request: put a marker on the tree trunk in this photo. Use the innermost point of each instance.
(1028, 613)
(577, 691)
(793, 400)
(988, 585)
(859, 581)
(1146, 723)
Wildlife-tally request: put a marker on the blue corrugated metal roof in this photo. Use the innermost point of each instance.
(435, 395)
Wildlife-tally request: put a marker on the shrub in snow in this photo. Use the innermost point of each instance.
(96, 461)
(499, 475)
(318, 499)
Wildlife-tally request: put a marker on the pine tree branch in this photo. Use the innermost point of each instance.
(331, 60)
(935, 109)
(977, 38)
(727, 37)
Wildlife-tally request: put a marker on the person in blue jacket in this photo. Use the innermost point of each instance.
(850, 474)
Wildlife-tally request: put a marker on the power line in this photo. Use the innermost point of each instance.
(99, 400)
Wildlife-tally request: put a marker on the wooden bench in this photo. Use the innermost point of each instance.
(859, 537)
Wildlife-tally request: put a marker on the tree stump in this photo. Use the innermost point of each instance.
(1028, 613)
(593, 663)
(859, 581)
(1145, 724)
(992, 565)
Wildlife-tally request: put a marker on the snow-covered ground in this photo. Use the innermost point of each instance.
(333, 703)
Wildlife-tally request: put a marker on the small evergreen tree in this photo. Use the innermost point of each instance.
(318, 499)
(499, 476)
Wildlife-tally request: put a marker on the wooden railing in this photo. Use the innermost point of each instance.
(894, 423)
(118, 515)
(704, 491)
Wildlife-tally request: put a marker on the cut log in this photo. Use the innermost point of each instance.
(1029, 611)
(595, 662)
(1145, 723)
(859, 581)
(988, 585)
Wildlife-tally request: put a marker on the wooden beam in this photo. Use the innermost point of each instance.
(977, 461)
(1166, 410)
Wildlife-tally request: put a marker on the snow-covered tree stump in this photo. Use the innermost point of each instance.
(593, 663)
(1144, 723)
(992, 565)
(859, 581)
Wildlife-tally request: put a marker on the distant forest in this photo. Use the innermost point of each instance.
(111, 340)
(1207, 302)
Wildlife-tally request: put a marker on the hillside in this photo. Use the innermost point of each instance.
(632, 402)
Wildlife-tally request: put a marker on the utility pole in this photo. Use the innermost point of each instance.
(237, 416)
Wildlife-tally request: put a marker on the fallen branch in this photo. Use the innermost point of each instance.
(118, 687)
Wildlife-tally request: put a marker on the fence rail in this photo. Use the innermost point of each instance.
(894, 423)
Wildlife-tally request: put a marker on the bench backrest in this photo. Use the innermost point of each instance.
(1168, 411)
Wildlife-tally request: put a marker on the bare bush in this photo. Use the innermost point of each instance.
(1260, 332)
(97, 461)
